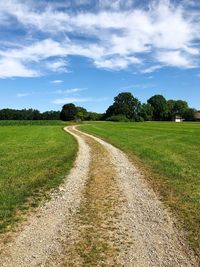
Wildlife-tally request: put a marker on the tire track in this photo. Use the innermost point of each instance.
(103, 215)
(44, 230)
(156, 239)
(100, 235)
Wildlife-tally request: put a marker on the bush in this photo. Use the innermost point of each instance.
(118, 118)
(139, 119)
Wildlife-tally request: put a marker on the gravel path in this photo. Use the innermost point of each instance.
(155, 237)
(41, 236)
(145, 234)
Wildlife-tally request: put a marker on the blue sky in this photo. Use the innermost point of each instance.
(86, 52)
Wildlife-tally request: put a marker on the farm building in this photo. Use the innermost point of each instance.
(197, 116)
(178, 118)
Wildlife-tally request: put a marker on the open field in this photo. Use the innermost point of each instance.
(31, 122)
(168, 154)
(104, 215)
(33, 159)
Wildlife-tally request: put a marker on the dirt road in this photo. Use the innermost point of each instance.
(103, 215)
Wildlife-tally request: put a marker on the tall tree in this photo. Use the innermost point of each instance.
(180, 107)
(146, 112)
(171, 113)
(159, 106)
(176, 107)
(189, 114)
(51, 115)
(94, 116)
(68, 112)
(124, 104)
(81, 113)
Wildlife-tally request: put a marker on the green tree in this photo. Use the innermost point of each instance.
(189, 114)
(176, 107)
(68, 112)
(118, 118)
(171, 109)
(51, 115)
(81, 113)
(159, 106)
(93, 116)
(180, 107)
(124, 104)
(146, 112)
(36, 115)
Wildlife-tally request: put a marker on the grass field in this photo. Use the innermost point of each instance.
(169, 155)
(33, 159)
(31, 122)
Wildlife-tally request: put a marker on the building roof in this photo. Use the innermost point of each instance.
(197, 115)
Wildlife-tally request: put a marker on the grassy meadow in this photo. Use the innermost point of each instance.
(169, 156)
(34, 158)
(31, 122)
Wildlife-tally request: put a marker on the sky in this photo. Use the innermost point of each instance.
(85, 52)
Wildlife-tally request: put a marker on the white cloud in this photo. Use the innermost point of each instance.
(70, 91)
(37, 51)
(151, 69)
(116, 36)
(115, 4)
(175, 59)
(116, 63)
(13, 62)
(134, 86)
(57, 66)
(29, 15)
(71, 100)
(10, 67)
(56, 81)
(78, 100)
(74, 90)
(23, 94)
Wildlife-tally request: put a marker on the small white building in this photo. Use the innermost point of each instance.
(178, 118)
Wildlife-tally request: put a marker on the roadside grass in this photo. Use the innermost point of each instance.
(33, 160)
(168, 154)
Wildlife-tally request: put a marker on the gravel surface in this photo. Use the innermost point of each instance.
(98, 221)
(41, 236)
(146, 234)
(155, 237)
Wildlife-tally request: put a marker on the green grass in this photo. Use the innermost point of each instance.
(30, 122)
(33, 160)
(169, 154)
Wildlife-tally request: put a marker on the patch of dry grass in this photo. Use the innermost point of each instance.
(96, 220)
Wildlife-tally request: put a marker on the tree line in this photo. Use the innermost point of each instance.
(69, 112)
(128, 108)
(28, 114)
(125, 107)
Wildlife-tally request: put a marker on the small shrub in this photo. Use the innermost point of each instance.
(118, 118)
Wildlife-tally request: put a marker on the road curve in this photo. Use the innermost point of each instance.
(41, 235)
(155, 237)
(148, 237)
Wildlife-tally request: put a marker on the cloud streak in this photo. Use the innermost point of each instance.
(77, 100)
(73, 91)
(71, 100)
(56, 81)
(114, 36)
(23, 94)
